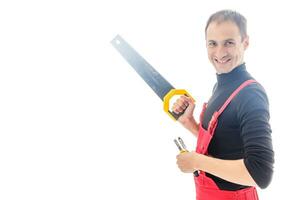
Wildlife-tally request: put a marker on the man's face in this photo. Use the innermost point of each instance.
(225, 47)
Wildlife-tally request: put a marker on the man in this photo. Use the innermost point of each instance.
(234, 149)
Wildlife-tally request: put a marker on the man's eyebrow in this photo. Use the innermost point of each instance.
(211, 41)
(229, 40)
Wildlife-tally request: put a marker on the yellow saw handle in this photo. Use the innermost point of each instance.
(167, 98)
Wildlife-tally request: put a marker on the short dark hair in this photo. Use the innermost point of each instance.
(229, 15)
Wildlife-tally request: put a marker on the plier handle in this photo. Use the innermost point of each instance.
(182, 148)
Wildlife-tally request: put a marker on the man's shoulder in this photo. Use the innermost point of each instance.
(252, 89)
(252, 95)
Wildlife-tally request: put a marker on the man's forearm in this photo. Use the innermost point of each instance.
(231, 170)
(192, 126)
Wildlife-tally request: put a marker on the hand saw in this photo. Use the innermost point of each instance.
(151, 76)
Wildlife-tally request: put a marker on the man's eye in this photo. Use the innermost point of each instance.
(229, 43)
(212, 44)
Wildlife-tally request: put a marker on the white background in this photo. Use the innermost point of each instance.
(76, 122)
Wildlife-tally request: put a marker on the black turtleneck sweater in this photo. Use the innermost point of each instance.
(243, 130)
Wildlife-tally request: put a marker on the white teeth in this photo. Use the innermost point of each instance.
(222, 62)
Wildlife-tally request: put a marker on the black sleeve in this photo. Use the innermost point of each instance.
(253, 115)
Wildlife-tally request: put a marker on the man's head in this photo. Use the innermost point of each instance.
(226, 40)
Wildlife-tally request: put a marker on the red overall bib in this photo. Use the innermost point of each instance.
(206, 188)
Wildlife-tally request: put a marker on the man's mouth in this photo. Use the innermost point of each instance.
(223, 61)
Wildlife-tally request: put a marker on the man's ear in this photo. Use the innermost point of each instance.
(246, 42)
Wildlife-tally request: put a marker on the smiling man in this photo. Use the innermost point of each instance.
(234, 152)
(225, 45)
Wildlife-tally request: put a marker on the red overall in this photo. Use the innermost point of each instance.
(206, 188)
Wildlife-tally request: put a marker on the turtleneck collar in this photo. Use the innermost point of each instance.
(234, 75)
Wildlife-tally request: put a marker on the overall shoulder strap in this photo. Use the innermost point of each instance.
(244, 84)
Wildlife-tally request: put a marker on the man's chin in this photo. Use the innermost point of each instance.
(223, 69)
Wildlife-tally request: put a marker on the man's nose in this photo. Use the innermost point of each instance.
(221, 52)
